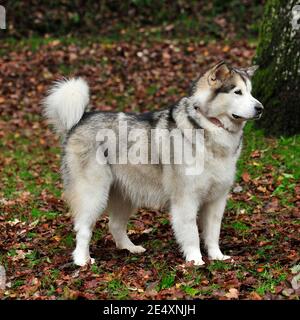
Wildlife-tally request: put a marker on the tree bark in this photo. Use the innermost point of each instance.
(277, 81)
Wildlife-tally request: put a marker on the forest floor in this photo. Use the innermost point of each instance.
(261, 224)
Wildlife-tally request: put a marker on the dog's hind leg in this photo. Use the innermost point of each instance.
(119, 212)
(87, 197)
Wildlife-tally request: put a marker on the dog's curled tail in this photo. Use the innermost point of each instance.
(65, 104)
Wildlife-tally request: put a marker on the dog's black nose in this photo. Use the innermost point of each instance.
(259, 108)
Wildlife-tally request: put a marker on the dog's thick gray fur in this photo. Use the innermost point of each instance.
(220, 103)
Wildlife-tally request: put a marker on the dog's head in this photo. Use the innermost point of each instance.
(224, 93)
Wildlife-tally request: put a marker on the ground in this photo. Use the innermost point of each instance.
(261, 224)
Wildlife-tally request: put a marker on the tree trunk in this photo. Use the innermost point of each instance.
(277, 81)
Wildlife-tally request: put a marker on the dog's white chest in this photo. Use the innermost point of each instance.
(217, 177)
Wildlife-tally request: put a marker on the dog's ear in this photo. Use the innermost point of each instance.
(251, 70)
(219, 73)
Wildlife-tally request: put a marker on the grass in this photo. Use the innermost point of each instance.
(34, 43)
(167, 281)
(23, 160)
(117, 289)
(268, 282)
(218, 265)
(17, 174)
(43, 239)
(286, 149)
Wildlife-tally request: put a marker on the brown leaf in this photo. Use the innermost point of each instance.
(272, 206)
(255, 296)
(255, 154)
(262, 189)
(232, 294)
(246, 177)
(226, 48)
(287, 292)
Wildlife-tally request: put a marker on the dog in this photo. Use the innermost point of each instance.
(219, 104)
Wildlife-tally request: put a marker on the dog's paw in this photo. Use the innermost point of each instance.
(221, 257)
(196, 259)
(81, 259)
(196, 262)
(136, 249)
(217, 255)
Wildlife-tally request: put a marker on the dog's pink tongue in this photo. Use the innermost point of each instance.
(216, 121)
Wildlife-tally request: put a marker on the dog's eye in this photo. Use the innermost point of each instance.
(238, 92)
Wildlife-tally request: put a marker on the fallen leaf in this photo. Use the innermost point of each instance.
(232, 294)
(287, 292)
(272, 206)
(237, 189)
(262, 189)
(246, 177)
(226, 48)
(255, 296)
(255, 154)
(296, 282)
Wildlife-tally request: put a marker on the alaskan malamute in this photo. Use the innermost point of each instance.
(219, 104)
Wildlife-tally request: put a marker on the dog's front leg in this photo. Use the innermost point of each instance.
(184, 222)
(210, 220)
